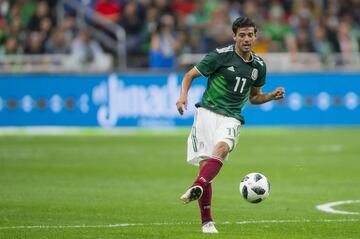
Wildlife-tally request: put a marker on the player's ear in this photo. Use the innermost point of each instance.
(234, 36)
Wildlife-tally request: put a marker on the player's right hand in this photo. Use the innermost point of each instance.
(181, 104)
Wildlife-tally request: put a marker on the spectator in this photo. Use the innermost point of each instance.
(11, 47)
(219, 33)
(3, 32)
(321, 44)
(132, 23)
(261, 45)
(148, 29)
(84, 49)
(195, 43)
(69, 28)
(86, 52)
(303, 40)
(182, 7)
(164, 45)
(35, 44)
(198, 19)
(27, 10)
(4, 7)
(45, 28)
(16, 30)
(277, 31)
(251, 10)
(57, 43)
(163, 7)
(15, 11)
(347, 41)
(42, 11)
(294, 26)
(109, 10)
(331, 21)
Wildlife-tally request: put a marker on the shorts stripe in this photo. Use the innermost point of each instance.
(194, 140)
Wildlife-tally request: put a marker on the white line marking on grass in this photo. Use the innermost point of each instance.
(332, 148)
(176, 223)
(327, 207)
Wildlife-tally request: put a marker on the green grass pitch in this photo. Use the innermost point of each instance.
(128, 185)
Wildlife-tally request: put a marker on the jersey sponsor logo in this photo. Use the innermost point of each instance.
(254, 74)
(231, 68)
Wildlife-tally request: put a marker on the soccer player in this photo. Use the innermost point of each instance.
(235, 74)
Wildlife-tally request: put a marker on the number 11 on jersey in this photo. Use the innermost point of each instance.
(243, 81)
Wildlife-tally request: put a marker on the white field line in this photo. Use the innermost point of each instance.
(91, 131)
(176, 223)
(327, 207)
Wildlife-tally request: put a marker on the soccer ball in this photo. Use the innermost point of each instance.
(254, 187)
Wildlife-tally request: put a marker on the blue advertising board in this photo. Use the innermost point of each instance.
(148, 100)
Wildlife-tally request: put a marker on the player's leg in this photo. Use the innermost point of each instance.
(212, 136)
(207, 221)
(205, 208)
(208, 170)
(199, 145)
(225, 138)
(205, 204)
(205, 201)
(211, 167)
(226, 142)
(220, 151)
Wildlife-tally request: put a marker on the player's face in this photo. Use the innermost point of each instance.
(244, 39)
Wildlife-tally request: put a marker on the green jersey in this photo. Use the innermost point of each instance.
(230, 79)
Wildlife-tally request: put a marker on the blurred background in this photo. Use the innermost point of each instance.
(120, 62)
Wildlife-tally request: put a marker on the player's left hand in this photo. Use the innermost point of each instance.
(278, 93)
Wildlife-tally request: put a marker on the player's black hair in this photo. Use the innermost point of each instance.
(242, 22)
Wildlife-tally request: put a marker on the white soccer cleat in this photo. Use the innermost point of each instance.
(193, 193)
(209, 227)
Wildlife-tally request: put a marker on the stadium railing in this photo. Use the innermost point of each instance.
(52, 63)
(86, 17)
(299, 62)
(276, 62)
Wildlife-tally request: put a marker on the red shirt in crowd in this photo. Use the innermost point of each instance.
(110, 9)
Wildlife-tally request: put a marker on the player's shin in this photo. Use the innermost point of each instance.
(205, 204)
(208, 172)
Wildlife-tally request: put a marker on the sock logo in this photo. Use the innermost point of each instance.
(202, 179)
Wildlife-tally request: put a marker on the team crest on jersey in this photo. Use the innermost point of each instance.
(254, 74)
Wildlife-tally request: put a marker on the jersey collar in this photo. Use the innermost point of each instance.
(251, 56)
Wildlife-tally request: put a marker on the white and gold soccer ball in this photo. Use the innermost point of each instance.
(254, 187)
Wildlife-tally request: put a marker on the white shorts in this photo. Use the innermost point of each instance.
(208, 129)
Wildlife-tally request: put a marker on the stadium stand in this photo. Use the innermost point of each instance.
(106, 35)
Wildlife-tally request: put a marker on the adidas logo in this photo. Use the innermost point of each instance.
(203, 180)
(231, 68)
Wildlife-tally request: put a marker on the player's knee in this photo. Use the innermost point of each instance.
(221, 150)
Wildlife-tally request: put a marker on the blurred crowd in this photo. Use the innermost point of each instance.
(157, 31)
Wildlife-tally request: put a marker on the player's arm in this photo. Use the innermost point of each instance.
(257, 97)
(181, 103)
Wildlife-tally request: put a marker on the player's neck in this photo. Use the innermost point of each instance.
(246, 56)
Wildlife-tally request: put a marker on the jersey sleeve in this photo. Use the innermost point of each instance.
(261, 80)
(209, 64)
